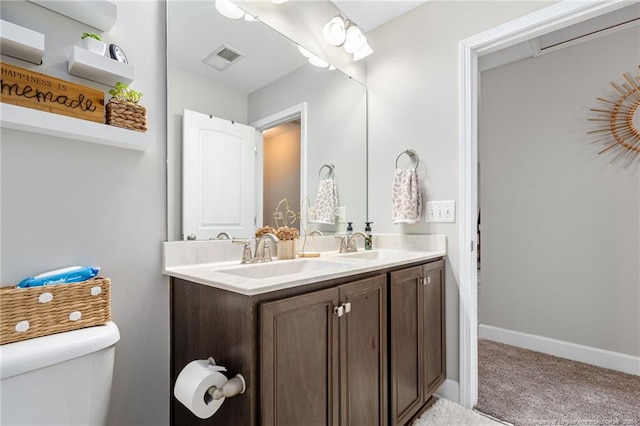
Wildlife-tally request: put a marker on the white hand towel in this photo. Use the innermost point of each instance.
(406, 200)
(326, 202)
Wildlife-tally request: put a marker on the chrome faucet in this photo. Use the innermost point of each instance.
(315, 232)
(263, 252)
(351, 242)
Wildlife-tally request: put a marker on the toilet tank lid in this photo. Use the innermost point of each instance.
(28, 355)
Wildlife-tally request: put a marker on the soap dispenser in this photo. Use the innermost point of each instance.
(368, 242)
(349, 228)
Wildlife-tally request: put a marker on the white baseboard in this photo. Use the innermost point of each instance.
(450, 390)
(589, 355)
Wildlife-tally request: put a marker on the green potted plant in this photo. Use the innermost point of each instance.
(123, 109)
(93, 43)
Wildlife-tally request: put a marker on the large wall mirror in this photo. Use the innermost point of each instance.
(234, 82)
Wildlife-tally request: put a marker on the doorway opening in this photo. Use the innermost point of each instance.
(281, 174)
(281, 168)
(500, 38)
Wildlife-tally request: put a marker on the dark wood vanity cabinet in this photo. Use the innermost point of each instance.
(323, 358)
(306, 360)
(416, 338)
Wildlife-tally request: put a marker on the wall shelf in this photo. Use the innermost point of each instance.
(20, 42)
(100, 68)
(45, 123)
(99, 14)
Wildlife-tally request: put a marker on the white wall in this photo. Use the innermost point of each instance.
(189, 91)
(560, 246)
(69, 202)
(413, 91)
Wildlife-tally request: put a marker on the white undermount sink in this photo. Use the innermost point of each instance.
(289, 267)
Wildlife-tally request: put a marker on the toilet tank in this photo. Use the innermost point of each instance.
(61, 379)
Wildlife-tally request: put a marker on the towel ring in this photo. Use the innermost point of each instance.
(332, 170)
(410, 153)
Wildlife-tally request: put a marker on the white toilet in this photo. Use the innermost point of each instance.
(61, 379)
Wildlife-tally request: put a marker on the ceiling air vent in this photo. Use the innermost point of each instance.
(222, 57)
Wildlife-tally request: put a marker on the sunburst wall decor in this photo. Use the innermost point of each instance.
(620, 116)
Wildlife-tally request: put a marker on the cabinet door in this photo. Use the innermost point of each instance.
(299, 360)
(363, 349)
(434, 332)
(406, 337)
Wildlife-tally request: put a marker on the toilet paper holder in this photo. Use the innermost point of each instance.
(231, 387)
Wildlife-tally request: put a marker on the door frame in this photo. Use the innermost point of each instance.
(546, 20)
(273, 120)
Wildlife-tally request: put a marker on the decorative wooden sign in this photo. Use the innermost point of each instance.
(31, 89)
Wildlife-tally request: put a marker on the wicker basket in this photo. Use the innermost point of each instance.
(126, 114)
(26, 313)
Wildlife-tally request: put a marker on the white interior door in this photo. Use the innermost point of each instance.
(218, 188)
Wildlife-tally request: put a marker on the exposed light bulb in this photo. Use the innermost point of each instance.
(228, 9)
(355, 39)
(334, 32)
(362, 53)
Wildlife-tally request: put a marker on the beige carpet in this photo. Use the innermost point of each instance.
(524, 387)
(447, 413)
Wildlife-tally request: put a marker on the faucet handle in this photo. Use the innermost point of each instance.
(343, 243)
(246, 252)
(266, 252)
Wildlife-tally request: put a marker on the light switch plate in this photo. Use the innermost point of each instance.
(342, 214)
(441, 211)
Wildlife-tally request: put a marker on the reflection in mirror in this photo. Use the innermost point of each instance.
(305, 117)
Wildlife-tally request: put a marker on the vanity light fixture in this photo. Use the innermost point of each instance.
(228, 9)
(342, 32)
(334, 31)
(315, 60)
(365, 51)
(318, 62)
(355, 40)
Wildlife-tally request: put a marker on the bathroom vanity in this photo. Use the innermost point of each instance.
(354, 339)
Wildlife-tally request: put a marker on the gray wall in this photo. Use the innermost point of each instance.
(75, 203)
(413, 103)
(560, 231)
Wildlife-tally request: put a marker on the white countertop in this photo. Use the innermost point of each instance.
(258, 278)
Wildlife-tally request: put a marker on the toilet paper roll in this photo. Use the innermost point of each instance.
(192, 384)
